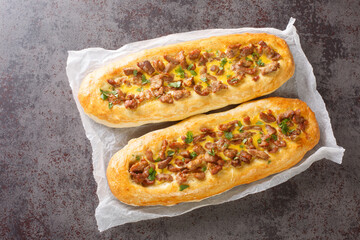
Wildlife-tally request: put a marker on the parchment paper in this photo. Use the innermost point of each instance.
(107, 141)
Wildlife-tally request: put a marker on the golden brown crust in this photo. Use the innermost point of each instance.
(131, 193)
(156, 111)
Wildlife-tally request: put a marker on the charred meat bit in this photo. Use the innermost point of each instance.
(232, 50)
(249, 143)
(202, 92)
(178, 94)
(217, 86)
(246, 50)
(149, 155)
(177, 145)
(146, 67)
(214, 68)
(222, 144)
(114, 82)
(156, 82)
(182, 59)
(259, 154)
(234, 80)
(199, 138)
(129, 71)
(228, 127)
(230, 153)
(271, 67)
(245, 63)
(270, 129)
(245, 156)
(170, 66)
(164, 177)
(268, 118)
(280, 143)
(287, 114)
(167, 98)
(194, 54)
(185, 154)
(214, 169)
(203, 60)
(200, 175)
(172, 168)
(158, 92)
(195, 164)
(210, 158)
(181, 177)
(164, 163)
(198, 149)
(158, 65)
(255, 78)
(139, 167)
(131, 104)
(189, 82)
(163, 149)
(171, 59)
(210, 145)
(247, 120)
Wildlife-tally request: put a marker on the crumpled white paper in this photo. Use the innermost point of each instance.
(107, 141)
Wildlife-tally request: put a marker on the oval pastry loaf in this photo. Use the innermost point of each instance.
(208, 154)
(177, 81)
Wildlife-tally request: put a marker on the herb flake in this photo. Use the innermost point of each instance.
(183, 187)
(189, 137)
(152, 174)
(180, 72)
(229, 135)
(175, 84)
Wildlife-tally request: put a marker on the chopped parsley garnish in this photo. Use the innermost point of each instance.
(260, 63)
(170, 153)
(175, 84)
(203, 168)
(144, 80)
(244, 141)
(261, 133)
(241, 129)
(158, 159)
(222, 63)
(180, 72)
(135, 72)
(255, 54)
(284, 127)
(228, 76)
(217, 53)
(259, 123)
(193, 154)
(239, 124)
(106, 94)
(183, 187)
(152, 174)
(190, 67)
(189, 137)
(137, 157)
(110, 105)
(274, 137)
(212, 152)
(139, 89)
(204, 79)
(259, 141)
(269, 162)
(229, 135)
(234, 80)
(248, 59)
(241, 146)
(193, 72)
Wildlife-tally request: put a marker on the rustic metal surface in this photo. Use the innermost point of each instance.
(47, 190)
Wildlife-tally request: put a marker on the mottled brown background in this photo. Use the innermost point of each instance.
(47, 190)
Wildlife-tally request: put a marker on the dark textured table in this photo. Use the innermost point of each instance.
(47, 188)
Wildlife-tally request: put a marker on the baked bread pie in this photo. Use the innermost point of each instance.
(208, 154)
(177, 81)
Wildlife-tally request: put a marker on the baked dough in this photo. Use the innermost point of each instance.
(251, 84)
(122, 183)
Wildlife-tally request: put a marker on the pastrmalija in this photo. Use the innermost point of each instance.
(177, 81)
(208, 154)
